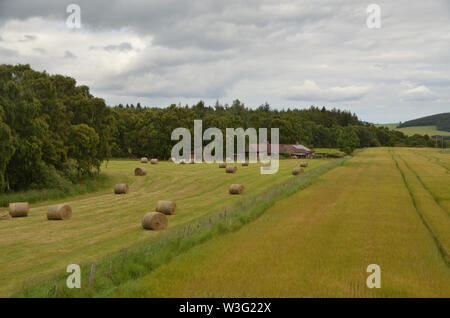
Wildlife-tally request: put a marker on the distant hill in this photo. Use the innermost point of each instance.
(441, 121)
(421, 130)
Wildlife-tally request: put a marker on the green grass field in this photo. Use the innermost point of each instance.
(307, 236)
(384, 206)
(34, 248)
(421, 130)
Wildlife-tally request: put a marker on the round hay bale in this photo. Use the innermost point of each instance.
(245, 164)
(5, 217)
(121, 188)
(303, 164)
(154, 161)
(19, 209)
(144, 159)
(236, 189)
(154, 221)
(222, 165)
(297, 171)
(166, 207)
(140, 172)
(231, 169)
(171, 159)
(59, 212)
(293, 157)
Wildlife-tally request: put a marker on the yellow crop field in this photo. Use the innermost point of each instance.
(385, 206)
(102, 223)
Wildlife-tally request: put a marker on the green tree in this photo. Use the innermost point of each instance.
(6, 151)
(348, 140)
(83, 146)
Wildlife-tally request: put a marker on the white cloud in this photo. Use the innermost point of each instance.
(418, 93)
(310, 91)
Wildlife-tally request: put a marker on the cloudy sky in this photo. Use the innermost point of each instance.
(286, 53)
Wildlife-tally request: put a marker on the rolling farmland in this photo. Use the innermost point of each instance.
(386, 206)
(111, 114)
(421, 130)
(102, 223)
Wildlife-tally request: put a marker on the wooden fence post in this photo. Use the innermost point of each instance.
(91, 275)
(110, 268)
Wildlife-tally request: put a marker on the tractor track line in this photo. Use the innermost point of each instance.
(424, 186)
(441, 248)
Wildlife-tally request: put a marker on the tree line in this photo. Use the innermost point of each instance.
(53, 132)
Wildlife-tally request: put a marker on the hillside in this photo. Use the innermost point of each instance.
(441, 121)
(421, 130)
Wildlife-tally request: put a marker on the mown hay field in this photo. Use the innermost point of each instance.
(102, 223)
(385, 206)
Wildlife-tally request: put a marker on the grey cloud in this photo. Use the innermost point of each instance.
(122, 47)
(256, 50)
(69, 55)
(28, 37)
(182, 81)
(39, 50)
(8, 52)
(210, 24)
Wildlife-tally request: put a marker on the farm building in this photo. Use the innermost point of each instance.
(296, 150)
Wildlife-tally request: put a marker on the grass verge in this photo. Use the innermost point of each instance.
(86, 185)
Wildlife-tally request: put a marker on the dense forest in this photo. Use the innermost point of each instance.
(53, 132)
(441, 121)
